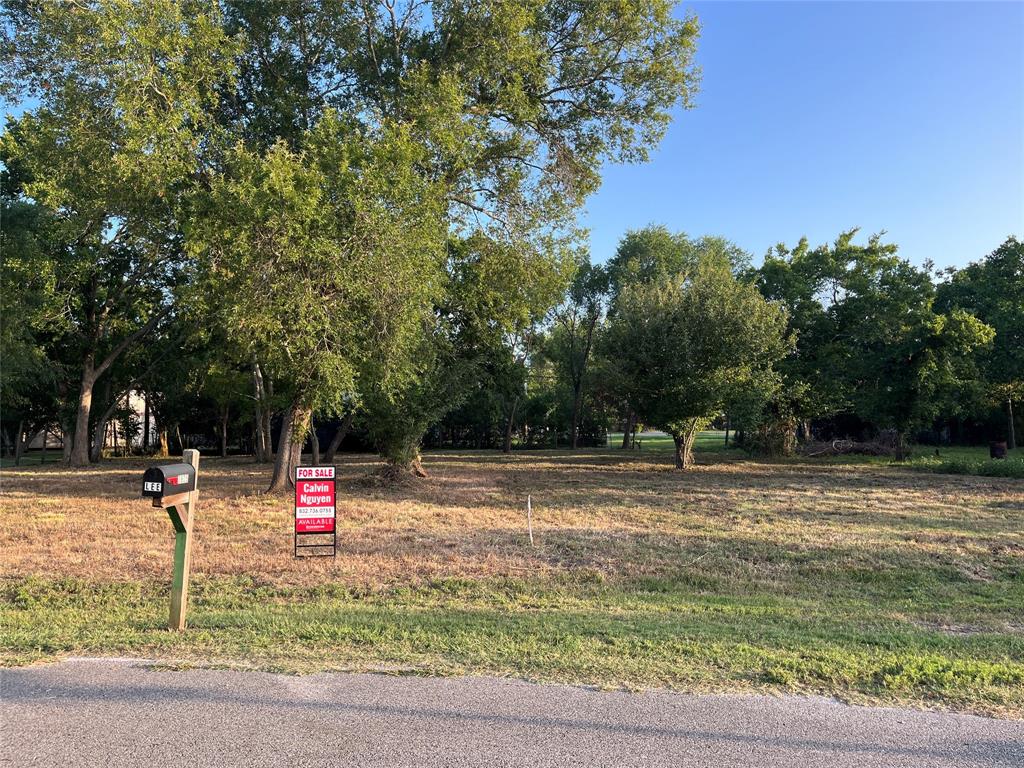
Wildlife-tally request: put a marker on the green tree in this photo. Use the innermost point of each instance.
(869, 338)
(123, 92)
(331, 255)
(901, 363)
(480, 333)
(570, 342)
(808, 282)
(684, 344)
(652, 253)
(643, 256)
(993, 291)
(30, 369)
(646, 256)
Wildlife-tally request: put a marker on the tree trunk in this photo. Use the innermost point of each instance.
(224, 433)
(509, 423)
(901, 446)
(99, 435)
(259, 445)
(339, 435)
(289, 446)
(268, 435)
(727, 430)
(417, 466)
(268, 415)
(262, 392)
(99, 432)
(630, 416)
(177, 435)
(65, 443)
(19, 443)
(577, 403)
(684, 445)
(46, 436)
(145, 423)
(262, 448)
(314, 443)
(1011, 437)
(680, 454)
(164, 444)
(79, 456)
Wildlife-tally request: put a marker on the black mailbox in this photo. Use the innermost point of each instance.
(168, 480)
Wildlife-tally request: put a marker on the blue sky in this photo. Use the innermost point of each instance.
(816, 117)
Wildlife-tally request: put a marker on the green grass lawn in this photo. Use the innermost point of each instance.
(949, 460)
(639, 633)
(954, 460)
(33, 458)
(710, 441)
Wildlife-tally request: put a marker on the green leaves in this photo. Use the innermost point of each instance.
(332, 255)
(683, 344)
(868, 336)
(993, 291)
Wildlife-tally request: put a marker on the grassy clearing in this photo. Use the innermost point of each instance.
(709, 442)
(33, 458)
(864, 581)
(971, 461)
(947, 460)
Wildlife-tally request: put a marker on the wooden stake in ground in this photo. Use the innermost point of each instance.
(529, 518)
(181, 517)
(175, 487)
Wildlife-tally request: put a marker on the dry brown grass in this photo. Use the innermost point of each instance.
(616, 515)
(864, 581)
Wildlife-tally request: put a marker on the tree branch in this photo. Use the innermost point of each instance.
(129, 340)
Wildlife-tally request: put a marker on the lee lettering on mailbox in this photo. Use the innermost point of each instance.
(168, 480)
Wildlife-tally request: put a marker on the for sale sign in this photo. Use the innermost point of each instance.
(314, 500)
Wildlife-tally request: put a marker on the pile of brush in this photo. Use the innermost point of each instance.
(886, 443)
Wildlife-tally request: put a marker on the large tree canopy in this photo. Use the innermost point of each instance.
(684, 343)
(869, 338)
(331, 257)
(993, 291)
(511, 109)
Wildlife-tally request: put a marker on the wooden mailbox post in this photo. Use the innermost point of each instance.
(175, 487)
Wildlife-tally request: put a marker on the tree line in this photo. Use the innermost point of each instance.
(287, 222)
(840, 340)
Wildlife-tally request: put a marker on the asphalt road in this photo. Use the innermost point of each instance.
(127, 713)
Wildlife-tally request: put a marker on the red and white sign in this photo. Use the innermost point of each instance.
(314, 500)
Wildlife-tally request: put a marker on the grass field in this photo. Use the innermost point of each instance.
(866, 581)
(951, 460)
